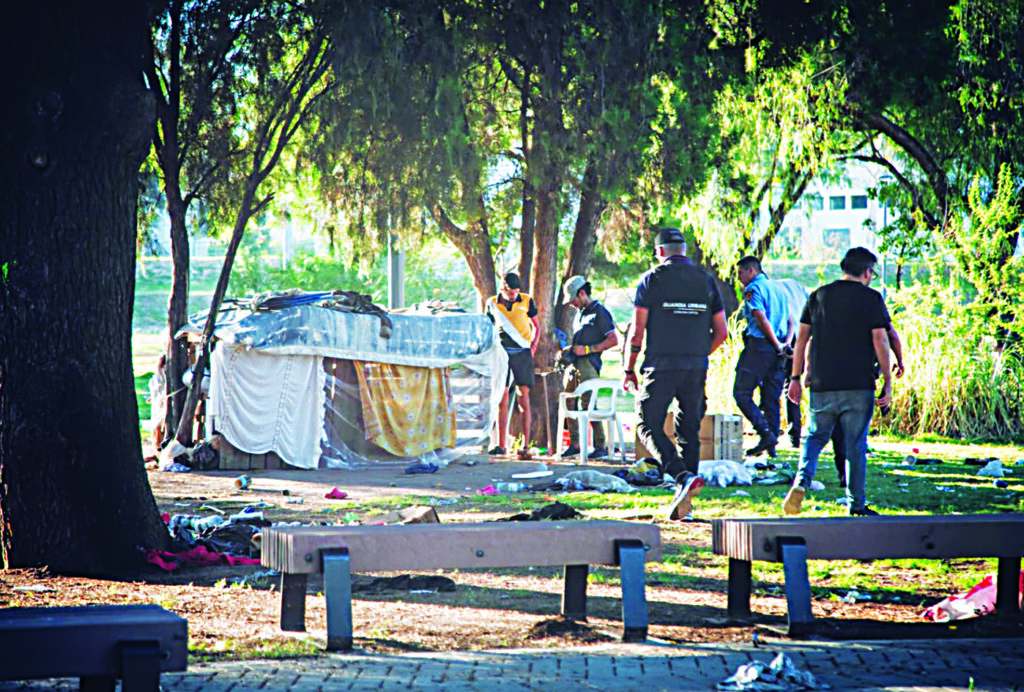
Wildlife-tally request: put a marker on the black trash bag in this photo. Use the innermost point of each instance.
(232, 539)
(403, 582)
(204, 457)
(555, 511)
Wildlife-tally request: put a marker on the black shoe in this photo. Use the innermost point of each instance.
(865, 511)
(571, 451)
(766, 444)
(497, 451)
(599, 453)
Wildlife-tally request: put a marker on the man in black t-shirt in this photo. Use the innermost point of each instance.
(679, 309)
(593, 331)
(846, 323)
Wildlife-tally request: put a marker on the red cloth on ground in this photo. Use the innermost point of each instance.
(199, 556)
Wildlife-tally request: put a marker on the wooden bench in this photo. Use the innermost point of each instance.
(336, 551)
(97, 644)
(794, 541)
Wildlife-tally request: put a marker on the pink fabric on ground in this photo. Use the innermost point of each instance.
(198, 556)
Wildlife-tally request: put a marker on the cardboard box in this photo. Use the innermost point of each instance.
(233, 459)
(721, 437)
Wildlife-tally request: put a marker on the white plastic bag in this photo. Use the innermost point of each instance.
(980, 600)
(993, 469)
(596, 480)
(723, 472)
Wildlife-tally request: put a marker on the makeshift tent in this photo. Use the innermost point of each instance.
(323, 386)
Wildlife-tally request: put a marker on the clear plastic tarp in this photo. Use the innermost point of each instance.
(327, 388)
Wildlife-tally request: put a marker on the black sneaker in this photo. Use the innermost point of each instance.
(766, 444)
(571, 451)
(599, 453)
(864, 511)
(497, 451)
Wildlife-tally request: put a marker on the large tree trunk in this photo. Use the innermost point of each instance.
(177, 313)
(584, 239)
(76, 124)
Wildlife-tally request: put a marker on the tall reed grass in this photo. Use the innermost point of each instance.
(958, 383)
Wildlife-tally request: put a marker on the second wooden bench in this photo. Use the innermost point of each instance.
(336, 551)
(794, 541)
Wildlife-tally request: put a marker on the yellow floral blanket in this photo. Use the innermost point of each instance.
(407, 410)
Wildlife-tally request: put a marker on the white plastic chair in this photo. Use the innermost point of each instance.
(596, 411)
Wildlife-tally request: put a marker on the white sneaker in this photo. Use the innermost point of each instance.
(683, 500)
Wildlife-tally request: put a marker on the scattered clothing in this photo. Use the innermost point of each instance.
(198, 556)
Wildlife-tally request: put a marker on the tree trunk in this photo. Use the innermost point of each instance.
(584, 240)
(474, 242)
(247, 208)
(177, 314)
(76, 122)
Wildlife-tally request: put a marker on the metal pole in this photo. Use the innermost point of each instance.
(885, 222)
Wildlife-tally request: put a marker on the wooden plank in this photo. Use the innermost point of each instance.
(452, 546)
(84, 641)
(882, 537)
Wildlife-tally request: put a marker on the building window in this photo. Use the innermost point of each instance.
(837, 202)
(858, 202)
(814, 202)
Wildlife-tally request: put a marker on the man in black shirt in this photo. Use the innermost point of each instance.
(593, 331)
(846, 323)
(679, 309)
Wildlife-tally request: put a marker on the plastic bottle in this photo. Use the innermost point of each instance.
(510, 487)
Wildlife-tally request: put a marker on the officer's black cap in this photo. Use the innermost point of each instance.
(669, 236)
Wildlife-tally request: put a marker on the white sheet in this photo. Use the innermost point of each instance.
(262, 403)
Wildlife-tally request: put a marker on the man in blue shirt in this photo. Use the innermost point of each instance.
(760, 364)
(679, 310)
(593, 331)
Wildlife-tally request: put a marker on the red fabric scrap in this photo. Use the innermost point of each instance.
(198, 556)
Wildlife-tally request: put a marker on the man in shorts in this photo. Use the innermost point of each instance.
(515, 315)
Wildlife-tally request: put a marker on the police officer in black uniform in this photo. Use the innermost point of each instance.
(679, 308)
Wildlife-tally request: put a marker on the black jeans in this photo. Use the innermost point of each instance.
(759, 367)
(658, 390)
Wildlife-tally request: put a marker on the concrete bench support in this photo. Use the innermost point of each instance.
(97, 644)
(337, 551)
(794, 541)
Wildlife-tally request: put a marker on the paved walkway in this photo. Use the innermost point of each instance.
(921, 666)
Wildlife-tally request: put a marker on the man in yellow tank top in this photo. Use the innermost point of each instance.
(515, 315)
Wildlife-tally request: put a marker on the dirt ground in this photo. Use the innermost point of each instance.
(487, 609)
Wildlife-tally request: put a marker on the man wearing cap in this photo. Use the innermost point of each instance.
(679, 310)
(593, 331)
(515, 315)
(760, 364)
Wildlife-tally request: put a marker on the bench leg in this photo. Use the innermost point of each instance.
(574, 594)
(631, 557)
(739, 589)
(293, 602)
(140, 667)
(798, 585)
(1007, 587)
(97, 683)
(338, 593)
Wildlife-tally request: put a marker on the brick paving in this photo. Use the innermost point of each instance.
(994, 665)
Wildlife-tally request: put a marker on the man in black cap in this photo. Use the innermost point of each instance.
(515, 315)
(679, 308)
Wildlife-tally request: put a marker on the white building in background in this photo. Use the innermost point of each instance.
(832, 217)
